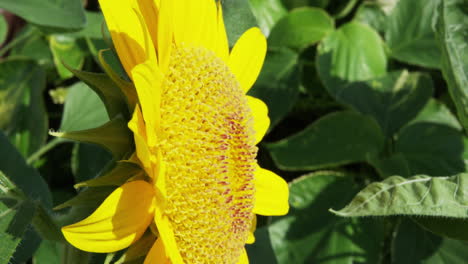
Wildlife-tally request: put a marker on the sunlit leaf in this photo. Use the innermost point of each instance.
(420, 195)
(68, 14)
(301, 28)
(409, 33)
(452, 27)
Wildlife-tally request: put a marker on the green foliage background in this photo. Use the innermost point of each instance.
(369, 108)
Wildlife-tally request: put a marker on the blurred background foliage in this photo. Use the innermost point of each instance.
(368, 103)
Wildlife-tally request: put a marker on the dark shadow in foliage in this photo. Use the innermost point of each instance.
(314, 235)
(432, 149)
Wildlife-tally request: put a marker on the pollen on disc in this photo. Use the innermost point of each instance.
(208, 144)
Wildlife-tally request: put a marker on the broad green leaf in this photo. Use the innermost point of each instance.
(337, 139)
(291, 4)
(455, 228)
(107, 90)
(238, 18)
(432, 149)
(113, 136)
(93, 29)
(24, 177)
(34, 46)
(451, 28)
(66, 14)
(267, 12)
(83, 109)
(88, 161)
(301, 28)
(409, 33)
(371, 14)
(24, 119)
(15, 217)
(261, 251)
(436, 112)
(3, 29)
(354, 52)
(30, 242)
(49, 253)
(415, 245)
(420, 195)
(91, 197)
(279, 83)
(310, 234)
(66, 50)
(392, 100)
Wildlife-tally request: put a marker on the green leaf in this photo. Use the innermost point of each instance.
(420, 195)
(455, 228)
(451, 28)
(107, 90)
(437, 113)
(261, 251)
(279, 83)
(34, 46)
(267, 12)
(30, 242)
(49, 253)
(337, 139)
(3, 29)
(301, 28)
(66, 14)
(310, 234)
(392, 100)
(354, 52)
(66, 50)
(22, 108)
(91, 197)
(88, 161)
(117, 176)
(414, 245)
(409, 33)
(238, 18)
(15, 217)
(83, 109)
(25, 178)
(432, 149)
(371, 14)
(113, 136)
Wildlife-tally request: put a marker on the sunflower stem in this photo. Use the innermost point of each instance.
(43, 150)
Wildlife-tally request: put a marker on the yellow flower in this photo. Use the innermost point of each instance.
(195, 132)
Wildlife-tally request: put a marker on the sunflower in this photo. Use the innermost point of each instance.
(195, 132)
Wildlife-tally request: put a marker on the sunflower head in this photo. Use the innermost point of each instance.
(195, 132)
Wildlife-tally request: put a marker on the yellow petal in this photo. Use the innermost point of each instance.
(246, 59)
(129, 35)
(222, 45)
(244, 259)
(251, 238)
(260, 117)
(119, 221)
(271, 193)
(195, 23)
(165, 33)
(148, 81)
(157, 254)
(150, 10)
(138, 127)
